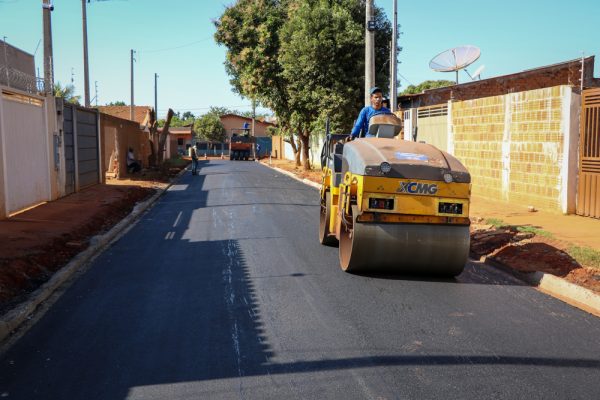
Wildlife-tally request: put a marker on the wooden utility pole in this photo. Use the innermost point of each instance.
(131, 109)
(369, 51)
(47, 8)
(86, 71)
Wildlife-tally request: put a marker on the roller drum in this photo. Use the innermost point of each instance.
(412, 248)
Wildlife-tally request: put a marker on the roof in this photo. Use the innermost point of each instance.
(247, 119)
(179, 130)
(125, 112)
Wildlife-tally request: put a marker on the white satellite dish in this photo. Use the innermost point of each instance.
(455, 59)
(477, 73)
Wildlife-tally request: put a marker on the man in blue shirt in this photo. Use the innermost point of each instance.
(361, 127)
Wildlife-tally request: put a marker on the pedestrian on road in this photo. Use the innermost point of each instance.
(194, 156)
(133, 165)
(361, 127)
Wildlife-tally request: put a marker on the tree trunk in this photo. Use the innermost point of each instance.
(305, 150)
(152, 137)
(163, 138)
(298, 153)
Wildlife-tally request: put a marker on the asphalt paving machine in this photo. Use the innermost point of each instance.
(394, 205)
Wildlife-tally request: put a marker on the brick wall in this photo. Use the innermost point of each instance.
(514, 145)
(117, 136)
(478, 127)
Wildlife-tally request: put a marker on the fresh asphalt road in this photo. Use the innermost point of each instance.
(222, 291)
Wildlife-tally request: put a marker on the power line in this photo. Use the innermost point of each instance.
(176, 47)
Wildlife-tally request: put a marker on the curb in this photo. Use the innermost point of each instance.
(14, 318)
(570, 293)
(308, 182)
(549, 284)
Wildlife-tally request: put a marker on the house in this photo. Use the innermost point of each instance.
(518, 134)
(238, 124)
(180, 140)
(17, 69)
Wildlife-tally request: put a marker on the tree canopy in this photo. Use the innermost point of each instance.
(414, 89)
(209, 127)
(67, 92)
(304, 59)
(116, 103)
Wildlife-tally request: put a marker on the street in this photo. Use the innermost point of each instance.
(222, 291)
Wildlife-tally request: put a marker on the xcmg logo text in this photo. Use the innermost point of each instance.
(418, 188)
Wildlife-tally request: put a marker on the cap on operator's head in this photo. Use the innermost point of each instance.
(374, 90)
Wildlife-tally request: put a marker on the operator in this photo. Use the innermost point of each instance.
(361, 127)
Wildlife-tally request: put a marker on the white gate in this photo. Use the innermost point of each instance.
(25, 150)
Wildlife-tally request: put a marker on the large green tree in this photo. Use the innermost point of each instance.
(304, 59)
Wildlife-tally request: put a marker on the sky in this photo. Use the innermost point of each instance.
(174, 39)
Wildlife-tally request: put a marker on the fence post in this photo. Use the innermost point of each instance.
(4, 191)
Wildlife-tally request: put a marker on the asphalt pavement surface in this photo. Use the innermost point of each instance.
(222, 291)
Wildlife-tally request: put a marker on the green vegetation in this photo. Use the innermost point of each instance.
(585, 256)
(495, 222)
(535, 231)
(116, 103)
(412, 89)
(209, 127)
(67, 92)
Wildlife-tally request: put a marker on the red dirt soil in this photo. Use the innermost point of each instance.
(36, 243)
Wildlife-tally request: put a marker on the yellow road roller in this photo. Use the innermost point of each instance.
(394, 205)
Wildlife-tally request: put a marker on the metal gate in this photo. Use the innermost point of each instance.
(588, 192)
(82, 157)
(69, 149)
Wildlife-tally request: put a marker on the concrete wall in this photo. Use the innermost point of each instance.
(26, 162)
(521, 147)
(116, 136)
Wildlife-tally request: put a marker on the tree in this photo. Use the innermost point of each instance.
(209, 127)
(116, 103)
(421, 87)
(67, 92)
(303, 59)
(322, 56)
(188, 116)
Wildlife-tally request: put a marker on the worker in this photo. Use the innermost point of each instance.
(133, 165)
(361, 126)
(194, 156)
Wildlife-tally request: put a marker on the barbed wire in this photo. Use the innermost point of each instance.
(20, 80)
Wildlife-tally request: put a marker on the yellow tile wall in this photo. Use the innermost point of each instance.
(536, 145)
(478, 127)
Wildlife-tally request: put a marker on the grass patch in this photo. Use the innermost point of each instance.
(176, 162)
(535, 231)
(495, 222)
(585, 256)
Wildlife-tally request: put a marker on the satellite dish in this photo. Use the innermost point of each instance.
(455, 59)
(477, 73)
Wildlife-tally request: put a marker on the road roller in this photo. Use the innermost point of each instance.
(392, 205)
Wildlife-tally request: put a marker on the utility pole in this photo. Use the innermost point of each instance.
(253, 115)
(394, 61)
(86, 72)
(47, 8)
(156, 96)
(131, 111)
(6, 62)
(369, 51)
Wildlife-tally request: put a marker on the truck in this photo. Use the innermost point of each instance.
(241, 147)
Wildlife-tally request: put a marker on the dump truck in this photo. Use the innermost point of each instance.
(394, 205)
(241, 147)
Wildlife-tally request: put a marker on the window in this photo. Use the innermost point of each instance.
(179, 141)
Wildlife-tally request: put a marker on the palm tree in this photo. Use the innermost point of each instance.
(67, 92)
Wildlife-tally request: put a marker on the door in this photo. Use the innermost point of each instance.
(588, 192)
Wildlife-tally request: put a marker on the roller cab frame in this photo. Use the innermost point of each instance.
(394, 205)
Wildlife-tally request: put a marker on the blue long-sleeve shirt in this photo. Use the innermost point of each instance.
(362, 123)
